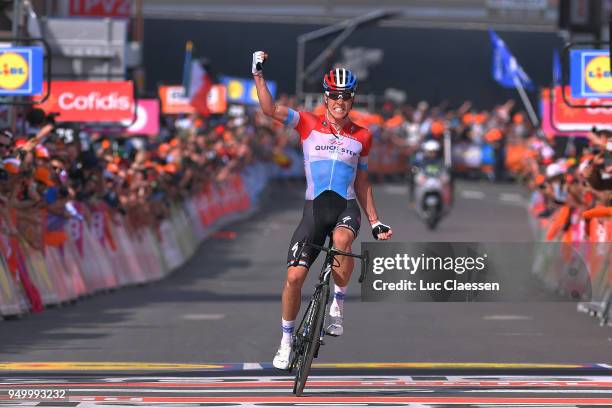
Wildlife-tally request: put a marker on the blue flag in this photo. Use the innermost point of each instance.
(556, 68)
(187, 67)
(504, 67)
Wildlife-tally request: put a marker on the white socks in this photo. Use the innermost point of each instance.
(287, 327)
(337, 306)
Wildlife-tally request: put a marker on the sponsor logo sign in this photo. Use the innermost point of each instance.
(174, 101)
(21, 71)
(566, 118)
(91, 101)
(147, 118)
(241, 90)
(100, 8)
(590, 75)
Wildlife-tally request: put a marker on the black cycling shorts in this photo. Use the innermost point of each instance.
(321, 215)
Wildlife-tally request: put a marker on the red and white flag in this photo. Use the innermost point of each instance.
(199, 86)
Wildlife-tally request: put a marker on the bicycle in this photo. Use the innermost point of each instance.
(309, 335)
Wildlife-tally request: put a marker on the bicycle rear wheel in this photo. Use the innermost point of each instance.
(313, 327)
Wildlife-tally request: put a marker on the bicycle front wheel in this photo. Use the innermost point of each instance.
(313, 328)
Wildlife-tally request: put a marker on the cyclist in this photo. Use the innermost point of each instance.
(335, 160)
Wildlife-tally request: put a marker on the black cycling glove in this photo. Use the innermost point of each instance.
(378, 228)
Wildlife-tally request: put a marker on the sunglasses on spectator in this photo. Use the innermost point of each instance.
(337, 95)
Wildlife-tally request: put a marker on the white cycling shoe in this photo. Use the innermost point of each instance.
(281, 359)
(335, 326)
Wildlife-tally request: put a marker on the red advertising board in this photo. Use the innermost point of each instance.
(100, 8)
(566, 118)
(91, 101)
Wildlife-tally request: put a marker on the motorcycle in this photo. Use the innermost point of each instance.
(432, 193)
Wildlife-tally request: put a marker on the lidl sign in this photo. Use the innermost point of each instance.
(21, 71)
(590, 75)
(241, 90)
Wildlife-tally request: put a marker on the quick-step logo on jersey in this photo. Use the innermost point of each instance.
(330, 160)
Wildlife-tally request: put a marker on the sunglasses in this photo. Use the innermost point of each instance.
(337, 95)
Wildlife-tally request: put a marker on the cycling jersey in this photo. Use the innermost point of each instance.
(330, 160)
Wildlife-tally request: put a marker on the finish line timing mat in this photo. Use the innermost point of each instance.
(65, 385)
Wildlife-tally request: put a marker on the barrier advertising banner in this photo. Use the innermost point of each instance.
(21, 71)
(91, 101)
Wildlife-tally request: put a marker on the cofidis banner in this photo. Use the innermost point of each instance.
(91, 101)
(21, 71)
(590, 75)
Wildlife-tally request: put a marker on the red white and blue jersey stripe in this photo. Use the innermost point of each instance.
(331, 161)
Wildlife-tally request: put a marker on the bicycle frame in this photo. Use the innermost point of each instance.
(310, 332)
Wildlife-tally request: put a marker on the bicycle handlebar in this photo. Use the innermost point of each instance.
(365, 257)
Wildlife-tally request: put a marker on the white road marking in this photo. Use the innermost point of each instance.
(203, 316)
(472, 194)
(251, 366)
(511, 197)
(507, 317)
(396, 190)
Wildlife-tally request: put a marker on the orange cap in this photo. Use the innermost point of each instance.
(539, 179)
(41, 152)
(437, 128)
(170, 168)
(163, 149)
(105, 144)
(518, 118)
(394, 121)
(113, 168)
(228, 137)
(493, 135)
(43, 175)
(12, 165)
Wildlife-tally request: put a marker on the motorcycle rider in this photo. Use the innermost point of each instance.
(428, 155)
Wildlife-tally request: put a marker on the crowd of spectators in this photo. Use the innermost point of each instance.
(53, 171)
(569, 175)
(569, 184)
